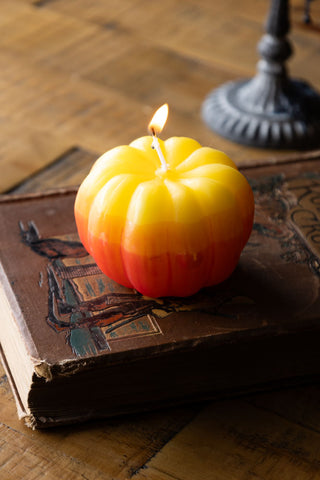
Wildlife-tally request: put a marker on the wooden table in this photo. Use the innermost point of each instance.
(77, 78)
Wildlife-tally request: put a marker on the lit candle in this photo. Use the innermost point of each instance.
(166, 220)
(155, 126)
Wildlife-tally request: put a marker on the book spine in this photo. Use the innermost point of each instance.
(17, 316)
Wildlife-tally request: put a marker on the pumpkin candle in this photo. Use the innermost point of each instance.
(165, 229)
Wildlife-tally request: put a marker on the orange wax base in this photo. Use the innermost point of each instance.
(167, 274)
(174, 275)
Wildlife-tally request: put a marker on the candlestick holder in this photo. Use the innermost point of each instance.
(270, 110)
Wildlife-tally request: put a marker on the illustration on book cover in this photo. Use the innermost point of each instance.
(92, 310)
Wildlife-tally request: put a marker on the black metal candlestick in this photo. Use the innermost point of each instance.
(306, 16)
(270, 110)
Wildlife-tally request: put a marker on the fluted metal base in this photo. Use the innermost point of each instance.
(284, 118)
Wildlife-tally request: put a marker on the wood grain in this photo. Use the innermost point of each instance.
(77, 78)
(90, 75)
(235, 439)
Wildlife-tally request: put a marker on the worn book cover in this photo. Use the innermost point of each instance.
(76, 345)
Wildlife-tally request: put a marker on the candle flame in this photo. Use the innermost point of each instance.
(159, 119)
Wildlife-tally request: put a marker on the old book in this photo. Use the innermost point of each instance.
(76, 345)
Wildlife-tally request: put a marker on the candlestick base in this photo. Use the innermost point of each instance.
(270, 110)
(242, 112)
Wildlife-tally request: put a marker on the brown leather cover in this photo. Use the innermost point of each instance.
(105, 349)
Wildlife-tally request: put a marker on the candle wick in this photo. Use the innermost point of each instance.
(156, 146)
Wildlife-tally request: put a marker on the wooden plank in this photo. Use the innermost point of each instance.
(300, 405)
(234, 439)
(67, 170)
(80, 48)
(188, 28)
(46, 36)
(24, 458)
(24, 150)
